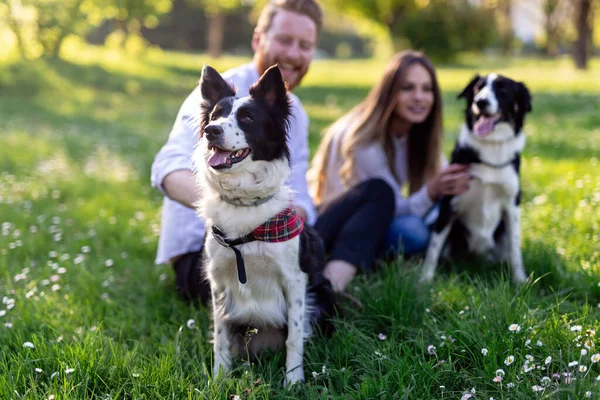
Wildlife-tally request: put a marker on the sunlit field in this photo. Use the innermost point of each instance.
(86, 314)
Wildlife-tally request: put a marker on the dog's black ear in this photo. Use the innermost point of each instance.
(522, 105)
(213, 87)
(271, 88)
(523, 97)
(468, 90)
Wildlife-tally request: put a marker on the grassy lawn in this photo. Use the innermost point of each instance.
(86, 314)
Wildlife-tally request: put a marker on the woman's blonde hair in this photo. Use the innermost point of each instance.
(370, 121)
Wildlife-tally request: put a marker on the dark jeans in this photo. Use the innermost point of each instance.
(353, 227)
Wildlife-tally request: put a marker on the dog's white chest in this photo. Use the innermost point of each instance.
(261, 300)
(480, 208)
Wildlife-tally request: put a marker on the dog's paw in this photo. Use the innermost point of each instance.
(293, 377)
(426, 277)
(220, 366)
(520, 278)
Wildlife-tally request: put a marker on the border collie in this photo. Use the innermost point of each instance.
(262, 262)
(486, 219)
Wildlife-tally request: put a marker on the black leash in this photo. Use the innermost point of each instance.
(223, 241)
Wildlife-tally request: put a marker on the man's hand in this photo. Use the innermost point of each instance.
(180, 186)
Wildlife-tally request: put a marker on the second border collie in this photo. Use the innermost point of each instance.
(486, 219)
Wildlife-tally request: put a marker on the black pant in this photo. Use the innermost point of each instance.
(352, 226)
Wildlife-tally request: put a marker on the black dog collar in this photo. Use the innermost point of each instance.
(223, 241)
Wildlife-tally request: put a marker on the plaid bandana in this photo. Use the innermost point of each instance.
(284, 226)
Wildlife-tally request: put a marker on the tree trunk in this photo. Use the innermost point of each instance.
(551, 26)
(583, 25)
(14, 27)
(506, 43)
(67, 29)
(216, 26)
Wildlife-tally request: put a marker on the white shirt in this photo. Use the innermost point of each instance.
(371, 162)
(182, 231)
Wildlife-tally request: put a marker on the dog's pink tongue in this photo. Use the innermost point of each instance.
(484, 125)
(219, 157)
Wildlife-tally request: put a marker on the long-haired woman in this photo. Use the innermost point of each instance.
(394, 134)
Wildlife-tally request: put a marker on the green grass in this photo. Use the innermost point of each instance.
(79, 226)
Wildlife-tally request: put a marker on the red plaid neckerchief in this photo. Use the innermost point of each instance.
(282, 227)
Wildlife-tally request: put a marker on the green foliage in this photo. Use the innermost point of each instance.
(78, 235)
(443, 29)
(41, 26)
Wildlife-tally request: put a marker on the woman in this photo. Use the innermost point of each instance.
(395, 134)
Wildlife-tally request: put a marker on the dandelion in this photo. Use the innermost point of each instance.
(546, 381)
(573, 363)
(529, 357)
(108, 263)
(51, 397)
(431, 349)
(500, 372)
(466, 396)
(59, 339)
(514, 328)
(548, 360)
(510, 385)
(595, 358)
(588, 394)
(314, 374)
(539, 343)
(497, 379)
(29, 345)
(527, 342)
(484, 351)
(537, 388)
(583, 352)
(85, 249)
(236, 397)
(509, 360)
(191, 324)
(55, 287)
(582, 368)
(2, 313)
(381, 336)
(135, 375)
(576, 328)
(39, 370)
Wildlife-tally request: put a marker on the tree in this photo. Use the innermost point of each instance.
(584, 26)
(556, 13)
(45, 24)
(389, 13)
(215, 11)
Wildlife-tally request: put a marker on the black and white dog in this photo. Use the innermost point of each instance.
(261, 261)
(486, 219)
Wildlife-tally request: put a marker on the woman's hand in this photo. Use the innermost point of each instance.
(452, 180)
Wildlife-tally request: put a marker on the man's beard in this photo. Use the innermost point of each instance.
(263, 63)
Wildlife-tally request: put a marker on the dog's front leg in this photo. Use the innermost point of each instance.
(513, 229)
(221, 345)
(296, 305)
(436, 244)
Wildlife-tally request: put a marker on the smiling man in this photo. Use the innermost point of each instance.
(286, 34)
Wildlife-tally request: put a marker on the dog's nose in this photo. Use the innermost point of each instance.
(482, 103)
(212, 131)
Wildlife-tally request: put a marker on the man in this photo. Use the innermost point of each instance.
(286, 34)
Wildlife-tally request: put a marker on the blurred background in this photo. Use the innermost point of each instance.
(32, 29)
